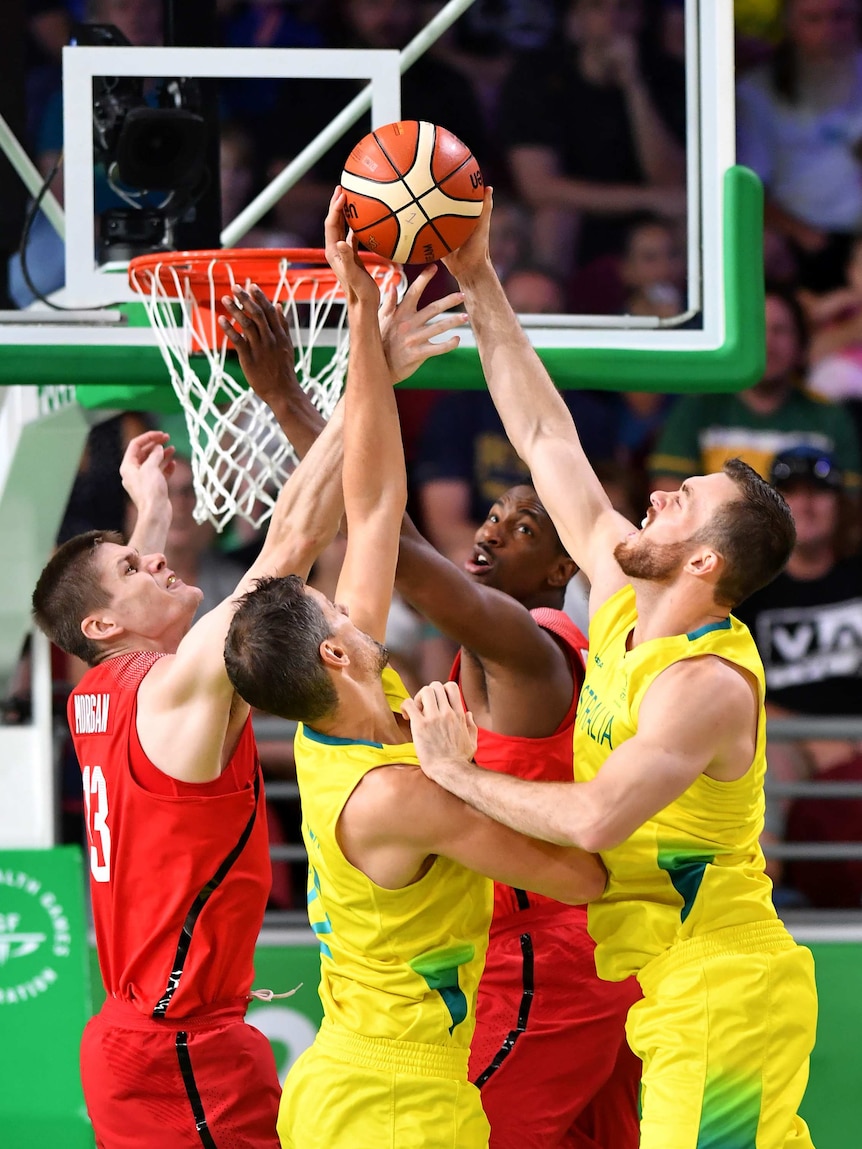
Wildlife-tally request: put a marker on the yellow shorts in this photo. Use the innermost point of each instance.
(352, 1092)
(725, 1029)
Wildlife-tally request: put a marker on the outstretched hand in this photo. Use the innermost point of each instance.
(408, 330)
(261, 335)
(147, 464)
(342, 255)
(444, 733)
(474, 253)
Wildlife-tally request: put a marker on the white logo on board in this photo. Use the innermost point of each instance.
(34, 933)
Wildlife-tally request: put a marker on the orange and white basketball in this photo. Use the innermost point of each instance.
(414, 191)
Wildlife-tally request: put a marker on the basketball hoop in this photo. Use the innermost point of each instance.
(240, 457)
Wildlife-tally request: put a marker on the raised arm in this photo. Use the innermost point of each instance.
(191, 691)
(536, 419)
(260, 332)
(374, 472)
(147, 464)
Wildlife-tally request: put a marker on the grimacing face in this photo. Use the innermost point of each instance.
(146, 597)
(659, 550)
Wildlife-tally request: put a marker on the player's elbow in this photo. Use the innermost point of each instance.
(601, 836)
(597, 835)
(296, 550)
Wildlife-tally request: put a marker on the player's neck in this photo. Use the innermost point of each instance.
(550, 599)
(363, 714)
(133, 643)
(666, 610)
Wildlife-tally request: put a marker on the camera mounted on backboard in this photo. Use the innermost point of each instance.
(150, 138)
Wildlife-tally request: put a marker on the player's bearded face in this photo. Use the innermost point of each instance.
(654, 562)
(377, 653)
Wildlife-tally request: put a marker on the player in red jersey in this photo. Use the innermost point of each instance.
(549, 1052)
(176, 824)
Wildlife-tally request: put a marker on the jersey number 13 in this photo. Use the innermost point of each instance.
(98, 834)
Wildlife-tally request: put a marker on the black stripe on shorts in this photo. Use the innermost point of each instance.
(182, 1047)
(527, 992)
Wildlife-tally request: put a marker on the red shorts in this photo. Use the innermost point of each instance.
(550, 1053)
(188, 1083)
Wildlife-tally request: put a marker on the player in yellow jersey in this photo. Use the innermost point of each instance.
(669, 754)
(401, 914)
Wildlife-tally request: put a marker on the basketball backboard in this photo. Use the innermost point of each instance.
(714, 343)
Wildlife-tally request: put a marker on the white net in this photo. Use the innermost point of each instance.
(240, 456)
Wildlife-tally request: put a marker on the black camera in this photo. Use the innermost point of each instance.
(150, 137)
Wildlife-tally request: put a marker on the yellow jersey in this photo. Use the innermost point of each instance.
(697, 865)
(401, 964)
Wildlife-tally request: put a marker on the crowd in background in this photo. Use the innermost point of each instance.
(575, 110)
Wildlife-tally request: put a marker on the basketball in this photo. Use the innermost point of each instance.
(414, 191)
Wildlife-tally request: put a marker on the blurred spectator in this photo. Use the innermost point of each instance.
(776, 413)
(430, 90)
(758, 28)
(510, 237)
(589, 126)
(646, 277)
(465, 461)
(533, 290)
(237, 168)
(49, 25)
(835, 318)
(652, 270)
(799, 124)
(807, 625)
(808, 622)
(264, 24)
(837, 883)
(97, 500)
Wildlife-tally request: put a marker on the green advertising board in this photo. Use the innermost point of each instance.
(44, 999)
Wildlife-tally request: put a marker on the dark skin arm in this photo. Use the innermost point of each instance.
(261, 335)
(515, 677)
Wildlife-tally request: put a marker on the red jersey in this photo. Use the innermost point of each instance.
(543, 759)
(179, 872)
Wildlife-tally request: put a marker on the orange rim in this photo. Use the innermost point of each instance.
(203, 272)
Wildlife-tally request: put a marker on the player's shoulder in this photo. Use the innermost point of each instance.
(390, 801)
(706, 681)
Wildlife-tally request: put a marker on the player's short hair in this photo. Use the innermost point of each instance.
(272, 651)
(69, 589)
(755, 534)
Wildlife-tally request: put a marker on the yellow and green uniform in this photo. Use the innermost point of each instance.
(399, 971)
(729, 1010)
